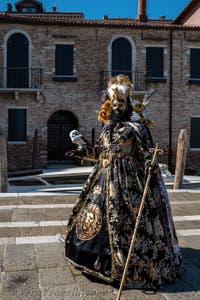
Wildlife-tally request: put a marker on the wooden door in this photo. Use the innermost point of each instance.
(59, 126)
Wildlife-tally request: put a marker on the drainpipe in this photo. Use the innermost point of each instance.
(170, 97)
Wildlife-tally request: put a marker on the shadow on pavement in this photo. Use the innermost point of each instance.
(190, 280)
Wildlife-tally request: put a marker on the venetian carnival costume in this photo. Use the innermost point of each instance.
(102, 222)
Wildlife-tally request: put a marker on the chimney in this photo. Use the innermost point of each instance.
(142, 10)
(9, 7)
(162, 18)
(54, 8)
(105, 17)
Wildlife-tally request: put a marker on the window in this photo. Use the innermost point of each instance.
(29, 9)
(17, 61)
(121, 57)
(16, 125)
(194, 133)
(194, 65)
(64, 66)
(155, 63)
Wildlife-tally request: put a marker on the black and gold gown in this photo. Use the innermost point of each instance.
(102, 222)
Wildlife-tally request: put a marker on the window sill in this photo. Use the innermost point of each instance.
(194, 81)
(17, 143)
(195, 149)
(156, 79)
(64, 78)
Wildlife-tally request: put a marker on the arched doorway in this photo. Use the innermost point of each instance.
(59, 126)
(17, 61)
(121, 57)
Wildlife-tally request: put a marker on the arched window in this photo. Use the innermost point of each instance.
(17, 61)
(121, 57)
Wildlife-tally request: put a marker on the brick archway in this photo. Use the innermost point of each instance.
(59, 126)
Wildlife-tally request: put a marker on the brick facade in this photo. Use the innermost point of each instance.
(83, 97)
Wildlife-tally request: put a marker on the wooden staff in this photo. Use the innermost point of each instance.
(86, 158)
(155, 151)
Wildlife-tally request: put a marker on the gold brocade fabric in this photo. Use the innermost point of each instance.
(102, 222)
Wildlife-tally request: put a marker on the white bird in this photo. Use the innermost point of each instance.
(78, 139)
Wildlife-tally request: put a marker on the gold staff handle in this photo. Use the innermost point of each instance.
(155, 151)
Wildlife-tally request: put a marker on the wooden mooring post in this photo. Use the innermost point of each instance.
(181, 154)
(3, 164)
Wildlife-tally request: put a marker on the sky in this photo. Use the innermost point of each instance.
(96, 9)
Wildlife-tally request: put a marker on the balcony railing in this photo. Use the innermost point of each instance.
(20, 78)
(138, 79)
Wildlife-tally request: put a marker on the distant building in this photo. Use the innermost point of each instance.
(55, 67)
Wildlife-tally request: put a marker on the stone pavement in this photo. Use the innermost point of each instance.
(32, 261)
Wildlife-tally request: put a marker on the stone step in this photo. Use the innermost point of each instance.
(41, 239)
(183, 195)
(36, 214)
(71, 197)
(61, 211)
(14, 233)
(36, 198)
(47, 215)
(16, 229)
(40, 230)
(186, 208)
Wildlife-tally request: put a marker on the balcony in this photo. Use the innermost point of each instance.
(138, 79)
(20, 80)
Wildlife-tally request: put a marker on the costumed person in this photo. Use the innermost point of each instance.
(103, 219)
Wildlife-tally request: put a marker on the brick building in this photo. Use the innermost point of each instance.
(54, 68)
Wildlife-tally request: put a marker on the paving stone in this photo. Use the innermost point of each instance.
(62, 292)
(36, 215)
(31, 231)
(183, 196)
(50, 255)
(184, 210)
(183, 296)
(10, 200)
(19, 257)
(55, 276)
(191, 246)
(23, 285)
(55, 214)
(51, 199)
(53, 230)
(9, 232)
(139, 295)
(93, 289)
(7, 241)
(5, 215)
(19, 215)
(1, 253)
(187, 224)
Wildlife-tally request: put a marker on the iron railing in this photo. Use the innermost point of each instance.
(20, 78)
(139, 79)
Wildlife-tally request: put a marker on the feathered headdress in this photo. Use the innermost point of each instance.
(118, 88)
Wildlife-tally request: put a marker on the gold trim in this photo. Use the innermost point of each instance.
(87, 270)
(89, 222)
(81, 202)
(110, 233)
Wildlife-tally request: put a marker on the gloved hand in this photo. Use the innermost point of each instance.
(77, 152)
(151, 169)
